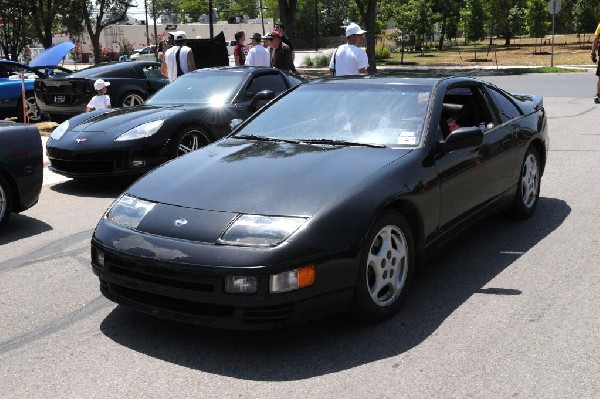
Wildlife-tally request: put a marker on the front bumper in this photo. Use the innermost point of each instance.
(194, 293)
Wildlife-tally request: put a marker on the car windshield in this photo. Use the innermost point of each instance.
(200, 88)
(369, 114)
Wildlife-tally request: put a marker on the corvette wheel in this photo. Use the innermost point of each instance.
(5, 201)
(190, 140)
(33, 111)
(385, 272)
(132, 100)
(528, 186)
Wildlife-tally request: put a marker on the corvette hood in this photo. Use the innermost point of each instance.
(259, 177)
(120, 120)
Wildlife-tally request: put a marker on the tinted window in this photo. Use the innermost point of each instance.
(388, 115)
(153, 72)
(506, 108)
(214, 88)
(267, 82)
(465, 106)
(121, 70)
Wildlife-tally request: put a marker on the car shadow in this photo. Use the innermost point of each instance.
(94, 188)
(338, 343)
(22, 226)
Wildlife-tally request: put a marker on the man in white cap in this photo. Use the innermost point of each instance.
(349, 59)
(179, 58)
(101, 100)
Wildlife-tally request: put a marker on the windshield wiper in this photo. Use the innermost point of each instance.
(342, 142)
(263, 138)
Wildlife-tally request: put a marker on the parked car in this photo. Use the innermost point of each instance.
(193, 111)
(147, 53)
(11, 88)
(230, 46)
(325, 201)
(130, 84)
(21, 168)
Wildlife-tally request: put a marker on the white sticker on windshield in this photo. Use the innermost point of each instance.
(407, 137)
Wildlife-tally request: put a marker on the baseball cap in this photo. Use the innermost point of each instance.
(100, 84)
(354, 29)
(272, 35)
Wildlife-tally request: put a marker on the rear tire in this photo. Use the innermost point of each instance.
(528, 186)
(33, 111)
(386, 268)
(5, 201)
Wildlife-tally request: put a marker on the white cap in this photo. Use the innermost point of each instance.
(178, 35)
(100, 84)
(354, 29)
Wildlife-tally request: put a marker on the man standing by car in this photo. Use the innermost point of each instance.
(258, 55)
(349, 59)
(179, 58)
(281, 54)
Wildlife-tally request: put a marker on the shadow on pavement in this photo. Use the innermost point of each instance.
(338, 343)
(95, 188)
(21, 226)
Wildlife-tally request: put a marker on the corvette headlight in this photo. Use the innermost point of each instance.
(141, 131)
(128, 211)
(258, 230)
(58, 132)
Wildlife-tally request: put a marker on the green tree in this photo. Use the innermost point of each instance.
(473, 17)
(537, 19)
(584, 18)
(14, 30)
(367, 10)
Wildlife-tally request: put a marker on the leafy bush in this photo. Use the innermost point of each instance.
(321, 60)
(382, 52)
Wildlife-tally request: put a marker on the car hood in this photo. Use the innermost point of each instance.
(53, 55)
(259, 177)
(119, 120)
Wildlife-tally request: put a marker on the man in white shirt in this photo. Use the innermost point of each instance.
(179, 58)
(349, 59)
(258, 55)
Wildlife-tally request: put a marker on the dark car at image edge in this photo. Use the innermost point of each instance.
(325, 201)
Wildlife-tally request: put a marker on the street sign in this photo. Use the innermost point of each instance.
(554, 6)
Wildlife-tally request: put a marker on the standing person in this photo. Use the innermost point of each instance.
(258, 55)
(101, 100)
(240, 51)
(179, 58)
(594, 55)
(281, 55)
(349, 59)
(163, 46)
(281, 29)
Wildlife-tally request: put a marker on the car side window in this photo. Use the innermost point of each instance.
(273, 82)
(465, 106)
(153, 72)
(506, 108)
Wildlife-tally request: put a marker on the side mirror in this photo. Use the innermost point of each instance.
(264, 95)
(463, 137)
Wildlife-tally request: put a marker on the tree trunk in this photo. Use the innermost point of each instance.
(367, 12)
(287, 15)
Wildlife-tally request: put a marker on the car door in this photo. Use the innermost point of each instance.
(156, 80)
(473, 176)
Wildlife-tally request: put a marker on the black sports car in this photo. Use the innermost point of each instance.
(21, 168)
(130, 84)
(189, 113)
(325, 201)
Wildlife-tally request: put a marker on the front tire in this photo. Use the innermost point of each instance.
(528, 187)
(33, 111)
(5, 201)
(386, 268)
(189, 140)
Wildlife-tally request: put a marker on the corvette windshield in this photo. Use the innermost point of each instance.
(370, 114)
(199, 88)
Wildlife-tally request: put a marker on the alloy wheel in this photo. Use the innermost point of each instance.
(530, 180)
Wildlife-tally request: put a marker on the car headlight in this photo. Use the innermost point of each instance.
(128, 211)
(258, 230)
(141, 131)
(58, 132)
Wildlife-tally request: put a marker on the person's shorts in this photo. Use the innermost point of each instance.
(598, 69)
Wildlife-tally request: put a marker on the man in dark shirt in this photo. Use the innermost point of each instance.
(281, 29)
(281, 54)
